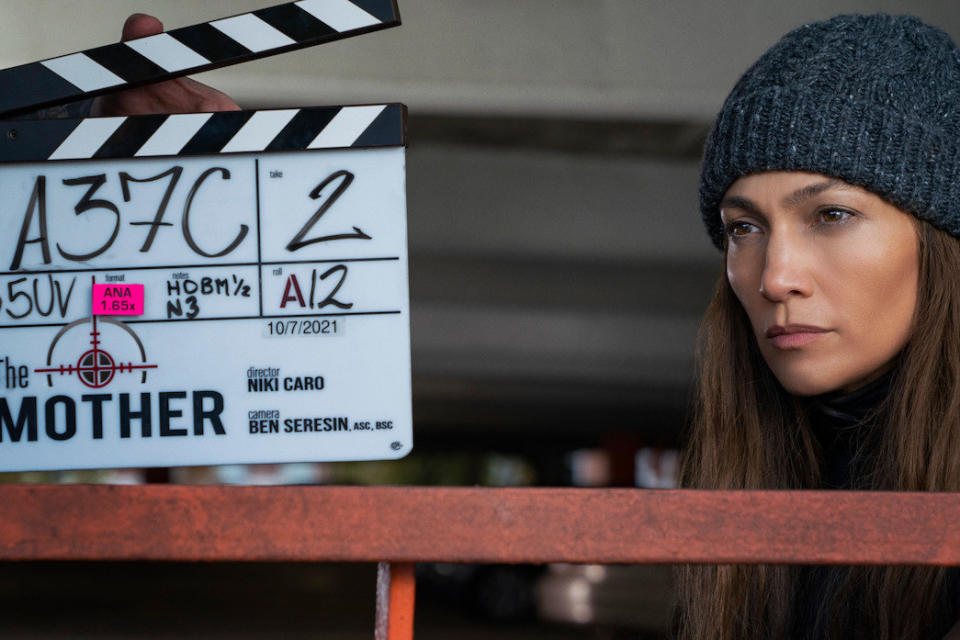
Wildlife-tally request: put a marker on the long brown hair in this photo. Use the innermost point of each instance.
(747, 432)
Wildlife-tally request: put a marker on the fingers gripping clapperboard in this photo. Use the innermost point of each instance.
(206, 288)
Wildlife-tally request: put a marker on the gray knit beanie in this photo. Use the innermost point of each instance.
(872, 100)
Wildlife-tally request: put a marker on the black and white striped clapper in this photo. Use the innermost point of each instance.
(198, 134)
(202, 288)
(190, 50)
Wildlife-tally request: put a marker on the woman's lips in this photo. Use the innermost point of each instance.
(795, 340)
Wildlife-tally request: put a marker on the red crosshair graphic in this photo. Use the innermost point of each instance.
(96, 368)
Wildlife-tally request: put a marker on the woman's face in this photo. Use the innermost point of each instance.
(807, 249)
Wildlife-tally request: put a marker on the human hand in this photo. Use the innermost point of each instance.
(181, 95)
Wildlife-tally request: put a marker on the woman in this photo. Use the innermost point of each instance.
(829, 356)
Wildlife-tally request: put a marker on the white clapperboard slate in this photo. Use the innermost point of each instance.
(269, 248)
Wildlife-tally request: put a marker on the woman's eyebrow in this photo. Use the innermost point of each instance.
(739, 202)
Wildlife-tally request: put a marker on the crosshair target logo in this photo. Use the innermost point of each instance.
(96, 367)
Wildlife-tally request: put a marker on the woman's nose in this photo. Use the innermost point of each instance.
(785, 269)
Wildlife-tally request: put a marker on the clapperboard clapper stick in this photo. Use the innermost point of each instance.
(190, 50)
(202, 288)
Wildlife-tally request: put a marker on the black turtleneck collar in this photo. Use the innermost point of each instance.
(841, 423)
(853, 406)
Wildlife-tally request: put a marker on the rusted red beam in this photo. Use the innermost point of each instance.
(397, 524)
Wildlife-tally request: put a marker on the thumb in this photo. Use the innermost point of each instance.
(140, 25)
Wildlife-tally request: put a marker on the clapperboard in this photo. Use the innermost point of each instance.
(208, 288)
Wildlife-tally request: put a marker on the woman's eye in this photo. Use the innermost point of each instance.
(835, 216)
(732, 228)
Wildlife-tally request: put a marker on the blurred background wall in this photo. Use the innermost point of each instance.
(559, 267)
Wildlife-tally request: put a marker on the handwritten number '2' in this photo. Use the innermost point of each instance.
(298, 242)
(86, 204)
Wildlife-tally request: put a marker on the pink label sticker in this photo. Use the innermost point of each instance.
(118, 299)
